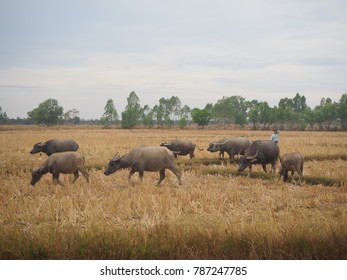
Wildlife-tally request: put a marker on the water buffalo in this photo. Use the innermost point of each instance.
(181, 147)
(145, 158)
(65, 162)
(54, 146)
(232, 146)
(260, 152)
(292, 162)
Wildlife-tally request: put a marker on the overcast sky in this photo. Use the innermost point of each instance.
(85, 52)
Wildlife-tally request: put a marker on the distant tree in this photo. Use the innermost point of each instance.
(326, 112)
(48, 112)
(231, 109)
(342, 110)
(131, 116)
(265, 113)
(3, 117)
(201, 117)
(185, 116)
(175, 106)
(309, 117)
(110, 115)
(253, 112)
(299, 103)
(71, 116)
(168, 111)
(147, 116)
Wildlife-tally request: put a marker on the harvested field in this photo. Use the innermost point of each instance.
(215, 214)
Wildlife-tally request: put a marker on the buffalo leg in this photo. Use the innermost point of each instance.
(273, 168)
(300, 174)
(177, 173)
(141, 175)
(56, 179)
(162, 176)
(131, 173)
(75, 176)
(249, 170)
(293, 179)
(221, 155)
(264, 167)
(85, 174)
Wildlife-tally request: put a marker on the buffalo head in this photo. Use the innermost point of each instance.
(114, 164)
(246, 161)
(215, 146)
(283, 173)
(38, 147)
(36, 176)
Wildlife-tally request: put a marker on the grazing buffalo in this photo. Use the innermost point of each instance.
(54, 146)
(232, 146)
(65, 162)
(181, 147)
(145, 158)
(260, 152)
(292, 162)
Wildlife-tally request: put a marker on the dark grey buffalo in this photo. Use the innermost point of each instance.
(54, 146)
(181, 147)
(293, 162)
(145, 158)
(232, 146)
(65, 162)
(260, 152)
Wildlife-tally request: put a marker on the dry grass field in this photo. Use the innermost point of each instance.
(215, 214)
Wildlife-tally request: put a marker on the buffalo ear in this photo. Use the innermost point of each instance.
(41, 144)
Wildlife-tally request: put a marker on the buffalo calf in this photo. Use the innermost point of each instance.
(293, 162)
(65, 162)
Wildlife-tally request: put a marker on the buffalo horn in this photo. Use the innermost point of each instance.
(116, 157)
(252, 157)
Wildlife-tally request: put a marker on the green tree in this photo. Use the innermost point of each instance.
(299, 103)
(48, 112)
(342, 110)
(131, 116)
(185, 116)
(231, 109)
(110, 115)
(326, 112)
(309, 117)
(265, 113)
(71, 116)
(147, 116)
(201, 117)
(3, 117)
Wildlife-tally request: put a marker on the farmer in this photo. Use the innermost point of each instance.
(275, 136)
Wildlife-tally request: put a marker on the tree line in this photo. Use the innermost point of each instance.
(290, 113)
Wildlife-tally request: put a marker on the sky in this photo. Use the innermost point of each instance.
(84, 52)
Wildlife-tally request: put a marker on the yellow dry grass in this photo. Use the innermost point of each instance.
(209, 217)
